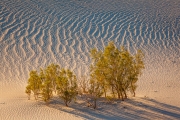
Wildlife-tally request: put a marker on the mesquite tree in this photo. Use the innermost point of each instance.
(66, 86)
(34, 85)
(47, 87)
(52, 79)
(95, 91)
(116, 69)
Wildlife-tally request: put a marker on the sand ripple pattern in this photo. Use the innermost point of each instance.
(34, 33)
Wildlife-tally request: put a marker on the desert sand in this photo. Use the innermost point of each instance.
(35, 33)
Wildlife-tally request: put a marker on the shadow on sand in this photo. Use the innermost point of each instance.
(130, 109)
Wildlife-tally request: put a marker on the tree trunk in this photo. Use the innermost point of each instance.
(118, 94)
(94, 103)
(133, 90)
(125, 93)
(66, 103)
(121, 90)
(104, 92)
(122, 98)
(134, 94)
(112, 91)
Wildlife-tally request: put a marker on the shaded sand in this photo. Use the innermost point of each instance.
(17, 106)
(35, 33)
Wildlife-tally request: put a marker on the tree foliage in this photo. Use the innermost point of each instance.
(66, 86)
(34, 84)
(49, 81)
(116, 70)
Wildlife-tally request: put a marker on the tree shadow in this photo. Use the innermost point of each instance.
(130, 109)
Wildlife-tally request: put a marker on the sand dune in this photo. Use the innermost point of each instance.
(35, 33)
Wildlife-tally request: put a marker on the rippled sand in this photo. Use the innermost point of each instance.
(35, 33)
